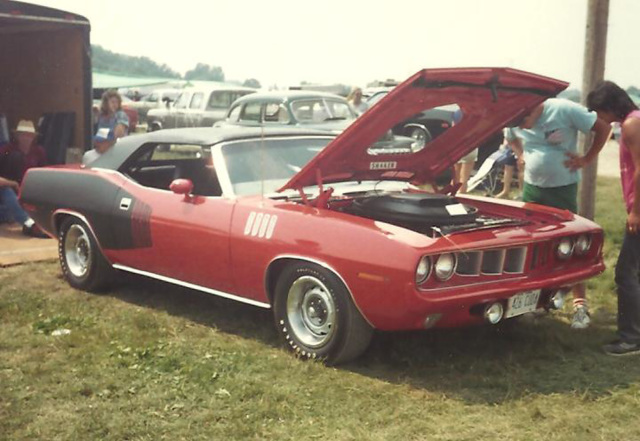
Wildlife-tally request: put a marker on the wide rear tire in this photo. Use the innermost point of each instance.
(81, 260)
(316, 316)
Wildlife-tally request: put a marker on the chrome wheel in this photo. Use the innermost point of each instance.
(77, 250)
(421, 136)
(311, 311)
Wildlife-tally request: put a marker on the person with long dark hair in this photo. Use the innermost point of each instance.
(113, 123)
(614, 105)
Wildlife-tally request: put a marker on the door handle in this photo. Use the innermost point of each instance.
(125, 203)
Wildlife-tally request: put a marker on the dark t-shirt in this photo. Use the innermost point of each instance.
(14, 163)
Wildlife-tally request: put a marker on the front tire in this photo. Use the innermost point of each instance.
(316, 316)
(82, 263)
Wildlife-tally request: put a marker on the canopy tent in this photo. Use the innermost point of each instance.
(105, 80)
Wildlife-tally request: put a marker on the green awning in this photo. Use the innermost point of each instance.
(103, 80)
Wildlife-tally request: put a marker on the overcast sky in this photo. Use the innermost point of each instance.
(356, 41)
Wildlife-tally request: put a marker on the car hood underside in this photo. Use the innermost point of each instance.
(489, 98)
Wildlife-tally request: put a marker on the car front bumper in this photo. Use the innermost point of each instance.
(464, 306)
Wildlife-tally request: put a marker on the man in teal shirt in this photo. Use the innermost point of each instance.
(548, 138)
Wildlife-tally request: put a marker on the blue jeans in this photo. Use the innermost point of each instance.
(628, 282)
(10, 208)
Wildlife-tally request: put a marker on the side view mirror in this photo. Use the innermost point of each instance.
(182, 186)
(167, 101)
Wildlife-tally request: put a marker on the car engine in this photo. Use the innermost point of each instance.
(423, 212)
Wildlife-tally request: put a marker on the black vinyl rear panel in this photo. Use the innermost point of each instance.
(92, 196)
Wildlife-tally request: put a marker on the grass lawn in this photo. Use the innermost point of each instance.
(150, 361)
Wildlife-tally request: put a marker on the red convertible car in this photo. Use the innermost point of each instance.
(332, 233)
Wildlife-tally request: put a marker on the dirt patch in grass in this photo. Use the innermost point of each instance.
(149, 361)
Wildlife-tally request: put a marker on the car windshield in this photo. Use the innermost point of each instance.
(376, 97)
(318, 110)
(263, 166)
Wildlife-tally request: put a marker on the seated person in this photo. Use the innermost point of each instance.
(113, 123)
(21, 154)
(10, 209)
(15, 159)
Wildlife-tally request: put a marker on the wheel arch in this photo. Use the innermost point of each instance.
(58, 217)
(432, 127)
(278, 264)
(406, 127)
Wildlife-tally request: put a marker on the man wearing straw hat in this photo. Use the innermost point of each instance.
(22, 154)
(15, 159)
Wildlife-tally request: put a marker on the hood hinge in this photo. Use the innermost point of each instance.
(322, 200)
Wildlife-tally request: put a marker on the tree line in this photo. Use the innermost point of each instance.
(109, 61)
(106, 60)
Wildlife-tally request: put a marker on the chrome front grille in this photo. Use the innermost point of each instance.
(492, 262)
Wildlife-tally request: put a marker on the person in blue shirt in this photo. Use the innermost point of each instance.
(548, 139)
(113, 123)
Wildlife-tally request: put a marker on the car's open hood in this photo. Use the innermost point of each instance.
(490, 99)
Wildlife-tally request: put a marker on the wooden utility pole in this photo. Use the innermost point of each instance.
(595, 50)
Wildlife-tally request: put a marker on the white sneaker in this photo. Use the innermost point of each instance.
(581, 318)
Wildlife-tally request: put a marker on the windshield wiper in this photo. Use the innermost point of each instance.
(335, 118)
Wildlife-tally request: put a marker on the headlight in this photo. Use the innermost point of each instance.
(583, 244)
(445, 266)
(565, 249)
(424, 270)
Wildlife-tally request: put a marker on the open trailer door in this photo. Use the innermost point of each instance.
(46, 71)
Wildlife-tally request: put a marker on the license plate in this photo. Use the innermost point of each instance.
(522, 303)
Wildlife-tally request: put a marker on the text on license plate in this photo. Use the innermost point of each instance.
(522, 303)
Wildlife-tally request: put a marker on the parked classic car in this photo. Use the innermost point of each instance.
(298, 108)
(423, 126)
(327, 231)
(157, 99)
(431, 123)
(308, 109)
(196, 107)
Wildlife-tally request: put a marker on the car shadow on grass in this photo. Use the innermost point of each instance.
(485, 364)
(497, 364)
(226, 315)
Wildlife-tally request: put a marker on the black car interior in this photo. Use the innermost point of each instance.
(158, 171)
